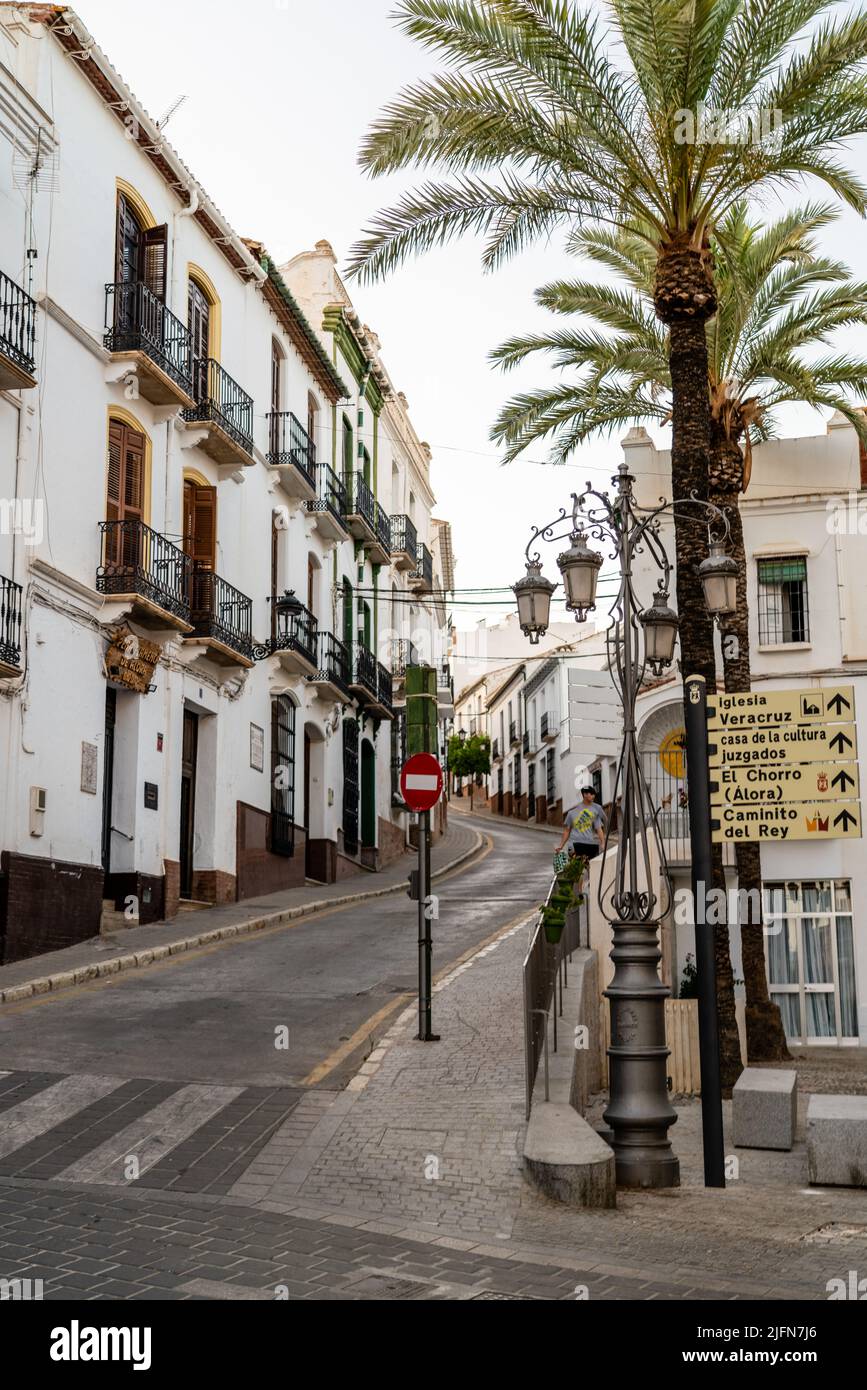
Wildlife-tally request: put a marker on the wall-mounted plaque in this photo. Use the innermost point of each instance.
(130, 660)
(89, 763)
(257, 748)
(152, 796)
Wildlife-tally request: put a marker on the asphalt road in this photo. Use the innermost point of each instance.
(325, 989)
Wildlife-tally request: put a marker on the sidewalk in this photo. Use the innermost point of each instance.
(126, 950)
(426, 1142)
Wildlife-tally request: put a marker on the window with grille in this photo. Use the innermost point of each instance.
(784, 614)
(531, 790)
(550, 777)
(518, 776)
(398, 753)
(282, 776)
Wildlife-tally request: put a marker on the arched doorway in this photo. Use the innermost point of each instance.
(368, 794)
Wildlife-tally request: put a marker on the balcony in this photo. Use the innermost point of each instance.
(294, 640)
(332, 675)
(514, 736)
(329, 507)
(140, 568)
(10, 627)
(421, 578)
(140, 330)
(531, 742)
(403, 543)
(548, 728)
(403, 654)
(361, 509)
(445, 691)
(292, 453)
(17, 337)
(225, 411)
(496, 755)
(371, 683)
(380, 551)
(222, 618)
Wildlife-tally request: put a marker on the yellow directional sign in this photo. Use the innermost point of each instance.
(794, 743)
(787, 821)
(781, 708)
(771, 783)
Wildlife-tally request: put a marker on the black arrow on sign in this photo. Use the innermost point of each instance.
(842, 777)
(845, 816)
(840, 741)
(839, 701)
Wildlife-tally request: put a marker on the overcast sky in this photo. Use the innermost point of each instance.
(279, 93)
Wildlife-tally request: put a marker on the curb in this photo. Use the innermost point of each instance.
(81, 974)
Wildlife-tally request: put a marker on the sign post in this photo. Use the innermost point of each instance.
(421, 785)
(695, 715)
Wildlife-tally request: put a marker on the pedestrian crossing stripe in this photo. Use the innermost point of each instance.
(97, 1129)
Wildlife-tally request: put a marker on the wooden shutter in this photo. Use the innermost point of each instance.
(204, 536)
(154, 256)
(113, 497)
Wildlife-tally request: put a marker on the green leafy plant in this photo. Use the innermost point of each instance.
(689, 982)
(470, 757)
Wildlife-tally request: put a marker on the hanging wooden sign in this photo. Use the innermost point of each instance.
(130, 660)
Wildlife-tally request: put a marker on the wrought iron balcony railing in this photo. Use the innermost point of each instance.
(17, 325)
(333, 662)
(403, 654)
(364, 673)
(525, 742)
(424, 567)
(137, 321)
(331, 496)
(403, 537)
(495, 750)
(219, 398)
(289, 442)
(548, 726)
(384, 683)
(137, 560)
(362, 502)
(295, 630)
(513, 732)
(220, 611)
(383, 528)
(10, 622)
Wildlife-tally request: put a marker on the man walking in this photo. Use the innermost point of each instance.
(585, 826)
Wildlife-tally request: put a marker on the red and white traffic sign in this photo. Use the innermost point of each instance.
(421, 782)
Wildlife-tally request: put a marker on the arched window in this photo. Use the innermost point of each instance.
(282, 776)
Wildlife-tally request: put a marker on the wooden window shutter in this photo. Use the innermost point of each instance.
(204, 539)
(115, 468)
(154, 257)
(132, 497)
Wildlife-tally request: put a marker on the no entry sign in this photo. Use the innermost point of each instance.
(421, 782)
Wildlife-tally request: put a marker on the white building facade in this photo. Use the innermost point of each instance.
(195, 704)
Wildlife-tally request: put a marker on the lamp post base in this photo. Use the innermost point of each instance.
(639, 1111)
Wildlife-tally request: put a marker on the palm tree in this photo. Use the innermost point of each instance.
(777, 298)
(542, 120)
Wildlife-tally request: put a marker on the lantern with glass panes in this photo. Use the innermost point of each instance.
(638, 639)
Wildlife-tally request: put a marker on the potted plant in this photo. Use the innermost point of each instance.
(553, 920)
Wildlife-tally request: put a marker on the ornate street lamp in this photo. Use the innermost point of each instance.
(533, 593)
(579, 566)
(719, 579)
(639, 1111)
(660, 625)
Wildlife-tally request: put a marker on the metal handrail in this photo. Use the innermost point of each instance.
(333, 661)
(17, 324)
(403, 536)
(363, 503)
(544, 967)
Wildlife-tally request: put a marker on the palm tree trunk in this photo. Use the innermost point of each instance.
(684, 298)
(766, 1038)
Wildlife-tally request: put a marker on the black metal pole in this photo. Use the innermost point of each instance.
(425, 942)
(698, 783)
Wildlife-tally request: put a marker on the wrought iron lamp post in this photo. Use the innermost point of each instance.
(639, 1111)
